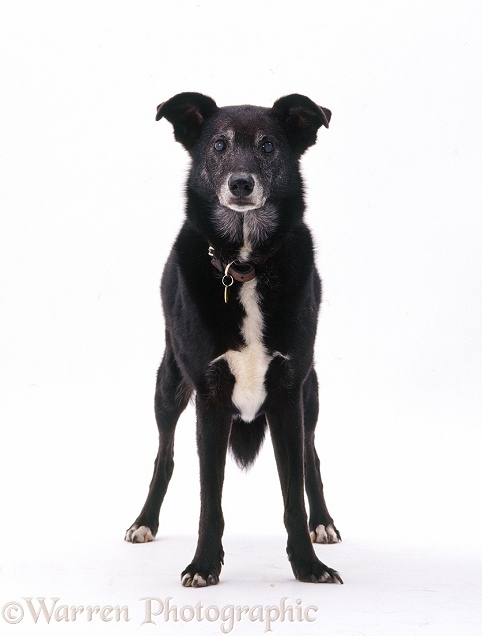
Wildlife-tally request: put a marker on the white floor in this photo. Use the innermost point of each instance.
(388, 590)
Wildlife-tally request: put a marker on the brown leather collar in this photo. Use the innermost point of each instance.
(242, 271)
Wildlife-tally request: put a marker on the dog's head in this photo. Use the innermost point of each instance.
(244, 156)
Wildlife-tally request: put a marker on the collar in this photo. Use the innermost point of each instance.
(241, 271)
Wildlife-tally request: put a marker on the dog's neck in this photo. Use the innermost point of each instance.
(248, 229)
(252, 236)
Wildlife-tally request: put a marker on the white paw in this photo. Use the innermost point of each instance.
(139, 534)
(324, 535)
(196, 580)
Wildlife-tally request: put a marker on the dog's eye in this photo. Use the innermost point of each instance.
(268, 147)
(219, 145)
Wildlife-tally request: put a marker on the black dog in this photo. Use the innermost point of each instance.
(241, 295)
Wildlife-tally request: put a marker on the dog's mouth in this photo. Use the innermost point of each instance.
(243, 205)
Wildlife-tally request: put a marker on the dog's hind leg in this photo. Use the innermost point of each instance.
(171, 398)
(284, 411)
(322, 528)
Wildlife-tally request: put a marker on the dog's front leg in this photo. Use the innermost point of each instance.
(213, 428)
(284, 412)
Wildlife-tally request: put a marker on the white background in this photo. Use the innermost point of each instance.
(91, 200)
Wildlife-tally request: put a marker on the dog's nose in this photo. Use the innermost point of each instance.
(241, 185)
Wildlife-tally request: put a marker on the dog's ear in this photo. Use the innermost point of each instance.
(300, 119)
(187, 112)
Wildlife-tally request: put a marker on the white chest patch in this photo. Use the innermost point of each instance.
(249, 365)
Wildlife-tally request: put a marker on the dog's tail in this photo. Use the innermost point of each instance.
(246, 440)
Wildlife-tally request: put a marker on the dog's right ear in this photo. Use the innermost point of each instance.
(187, 112)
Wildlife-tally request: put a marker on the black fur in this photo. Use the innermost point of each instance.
(244, 202)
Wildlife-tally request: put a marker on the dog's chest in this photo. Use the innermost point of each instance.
(250, 363)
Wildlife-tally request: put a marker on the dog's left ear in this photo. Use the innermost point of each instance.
(300, 118)
(187, 112)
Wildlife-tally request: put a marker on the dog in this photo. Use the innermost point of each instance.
(241, 295)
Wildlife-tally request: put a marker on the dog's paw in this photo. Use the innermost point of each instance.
(325, 534)
(196, 580)
(139, 534)
(196, 576)
(316, 572)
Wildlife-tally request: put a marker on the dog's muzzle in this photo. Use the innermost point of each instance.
(241, 192)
